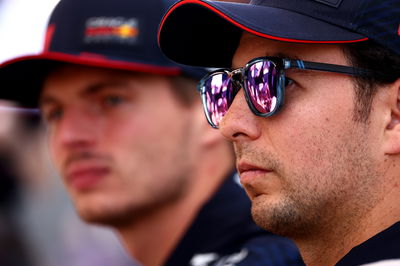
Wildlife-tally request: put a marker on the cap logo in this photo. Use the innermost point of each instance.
(49, 37)
(111, 30)
(333, 3)
(398, 31)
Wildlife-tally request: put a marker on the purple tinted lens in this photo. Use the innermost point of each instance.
(261, 79)
(218, 96)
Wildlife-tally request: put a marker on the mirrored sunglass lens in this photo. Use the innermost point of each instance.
(261, 79)
(218, 96)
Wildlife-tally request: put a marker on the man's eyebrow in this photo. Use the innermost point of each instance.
(283, 55)
(47, 99)
(98, 87)
(93, 89)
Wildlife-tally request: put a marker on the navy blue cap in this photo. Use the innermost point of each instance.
(207, 33)
(115, 34)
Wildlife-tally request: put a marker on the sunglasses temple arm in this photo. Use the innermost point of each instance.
(328, 67)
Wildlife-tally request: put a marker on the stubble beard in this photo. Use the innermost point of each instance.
(289, 217)
(341, 192)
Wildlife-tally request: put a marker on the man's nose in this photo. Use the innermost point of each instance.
(239, 122)
(76, 128)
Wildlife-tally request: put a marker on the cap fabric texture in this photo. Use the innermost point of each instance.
(206, 33)
(115, 34)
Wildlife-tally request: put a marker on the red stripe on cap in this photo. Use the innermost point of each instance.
(244, 27)
(93, 56)
(100, 61)
(48, 37)
(94, 60)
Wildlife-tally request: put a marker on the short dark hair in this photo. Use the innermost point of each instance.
(385, 65)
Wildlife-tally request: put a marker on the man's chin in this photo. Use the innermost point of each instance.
(97, 212)
(275, 218)
(284, 218)
(113, 220)
(112, 216)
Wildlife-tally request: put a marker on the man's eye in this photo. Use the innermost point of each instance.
(113, 100)
(288, 82)
(52, 115)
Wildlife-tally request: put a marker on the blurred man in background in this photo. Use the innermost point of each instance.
(127, 134)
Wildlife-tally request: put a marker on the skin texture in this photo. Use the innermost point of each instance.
(313, 173)
(127, 149)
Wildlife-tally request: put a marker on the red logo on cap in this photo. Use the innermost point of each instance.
(398, 31)
(49, 36)
(111, 30)
(123, 31)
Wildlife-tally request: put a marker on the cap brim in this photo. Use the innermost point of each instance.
(207, 33)
(22, 78)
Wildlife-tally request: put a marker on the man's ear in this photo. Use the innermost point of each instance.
(392, 131)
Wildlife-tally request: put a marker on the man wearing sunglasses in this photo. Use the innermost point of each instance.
(309, 95)
(127, 134)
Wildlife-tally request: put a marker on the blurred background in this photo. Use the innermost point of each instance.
(22, 24)
(38, 224)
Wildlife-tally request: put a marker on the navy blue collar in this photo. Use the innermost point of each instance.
(383, 246)
(215, 229)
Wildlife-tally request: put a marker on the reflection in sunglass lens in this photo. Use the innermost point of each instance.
(261, 79)
(219, 96)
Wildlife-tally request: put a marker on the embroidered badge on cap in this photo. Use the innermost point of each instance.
(111, 30)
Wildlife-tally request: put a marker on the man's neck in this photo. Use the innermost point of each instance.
(153, 238)
(331, 245)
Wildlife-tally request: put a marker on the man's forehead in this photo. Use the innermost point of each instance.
(67, 78)
(86, 80)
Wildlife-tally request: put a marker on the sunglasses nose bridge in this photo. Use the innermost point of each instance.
(237, 79)
(236, 75)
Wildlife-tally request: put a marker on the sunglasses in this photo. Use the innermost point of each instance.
(263, 80)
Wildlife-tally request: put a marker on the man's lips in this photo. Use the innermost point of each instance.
(254, 178)
(246, 167)
(248, 172)
(86, 175)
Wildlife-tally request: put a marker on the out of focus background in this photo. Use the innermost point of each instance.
(38, 224)
(22, 26)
